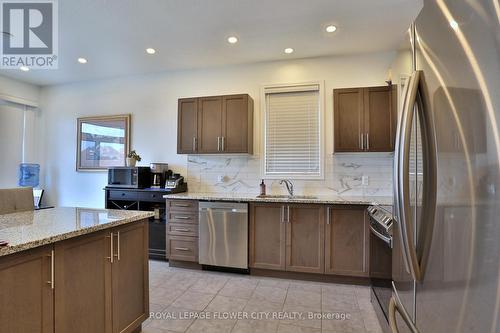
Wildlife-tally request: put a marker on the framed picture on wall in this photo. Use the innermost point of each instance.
(102, 142)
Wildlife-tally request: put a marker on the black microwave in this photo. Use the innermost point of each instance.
(129, 177)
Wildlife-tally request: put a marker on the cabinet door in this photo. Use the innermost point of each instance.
(237, 120)
(130, 277)
(379, 119)
(26, 299)
(305, 238)
(347, 241)
(187, 126)
(83, 284)
(267, 236)
(210, 124)
(348, 119)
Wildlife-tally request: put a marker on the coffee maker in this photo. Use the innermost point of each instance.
(159, 174)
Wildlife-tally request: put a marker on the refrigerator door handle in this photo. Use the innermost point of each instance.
(417, 98)
(398, 154)
(395, 305)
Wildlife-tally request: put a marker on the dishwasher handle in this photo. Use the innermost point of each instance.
(218, 209)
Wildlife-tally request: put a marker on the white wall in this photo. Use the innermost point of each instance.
(152, 101)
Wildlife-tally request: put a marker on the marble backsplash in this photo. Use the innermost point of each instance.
(242, 174)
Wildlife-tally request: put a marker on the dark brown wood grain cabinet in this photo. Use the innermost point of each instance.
(347, 247)
(364, 119)
(305, 238)
(182, 230)
(102, 281)
(287, 237)
(187, 126)
(215, 125)
(130, 277)
(267, 236)
(26, 297)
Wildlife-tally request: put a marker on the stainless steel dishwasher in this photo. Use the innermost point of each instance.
(223, 234)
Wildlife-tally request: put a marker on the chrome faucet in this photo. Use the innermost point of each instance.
(289, 186)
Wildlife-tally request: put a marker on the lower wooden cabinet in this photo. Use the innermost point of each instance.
(182, 230)
(26, 297)
(92, 283)
(305, 238)
(287, 237)
(347, 247)
(267, 236)
(299, 238)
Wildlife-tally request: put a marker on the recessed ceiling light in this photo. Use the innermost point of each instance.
(454, 24)
(150, 50)
(331, 28)
(288, 50)
(82, 60)
(232, 40)
(24, 68)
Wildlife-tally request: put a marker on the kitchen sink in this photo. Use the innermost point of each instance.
(284, 196)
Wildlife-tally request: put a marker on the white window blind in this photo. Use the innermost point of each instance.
(292, 132)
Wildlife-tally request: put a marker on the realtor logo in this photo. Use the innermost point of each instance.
(29, 34)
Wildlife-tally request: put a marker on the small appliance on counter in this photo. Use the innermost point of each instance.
(129, 177)
(159, 174)
(175, 183)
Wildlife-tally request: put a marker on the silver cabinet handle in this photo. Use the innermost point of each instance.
(182, 217)
(52, 272)
(328, 215)
(288, 214)
(180, 205)
(117, 255)
(111, 256)
(362, 139)
(223, 143)
(194, 143)
(181, 229)
(218, 143)
(182, 249)
(367, 142)
(282, 214)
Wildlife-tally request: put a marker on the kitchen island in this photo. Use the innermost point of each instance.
(74, 270)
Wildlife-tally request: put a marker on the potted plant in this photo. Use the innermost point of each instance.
(132, 158)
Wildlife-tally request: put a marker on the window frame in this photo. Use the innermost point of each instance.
(294, 87)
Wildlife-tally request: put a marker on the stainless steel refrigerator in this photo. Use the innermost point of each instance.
(446, 255)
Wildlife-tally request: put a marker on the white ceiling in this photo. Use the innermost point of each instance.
(113, 34)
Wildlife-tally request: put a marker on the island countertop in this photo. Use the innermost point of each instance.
(26, 230)
(320, 199)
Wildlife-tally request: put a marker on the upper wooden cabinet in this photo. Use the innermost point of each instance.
(347, 241)
(364, 119)
(215, 125)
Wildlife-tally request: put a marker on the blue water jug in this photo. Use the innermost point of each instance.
(29, 174)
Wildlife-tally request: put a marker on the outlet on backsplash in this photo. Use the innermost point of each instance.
(364, 180)
(220, 178)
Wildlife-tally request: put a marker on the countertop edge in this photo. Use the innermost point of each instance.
(323, 201)
(4, 251)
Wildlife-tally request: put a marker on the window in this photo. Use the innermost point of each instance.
(293, 134)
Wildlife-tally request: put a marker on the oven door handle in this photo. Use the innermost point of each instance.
(386, 239)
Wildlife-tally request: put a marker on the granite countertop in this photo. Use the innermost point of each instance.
(320, 199)
(26, 230)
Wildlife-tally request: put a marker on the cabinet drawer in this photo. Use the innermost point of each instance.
(122, 195)
(151, 196)
(182, 217)
(182, 229)
(182, 205)
(182, 248)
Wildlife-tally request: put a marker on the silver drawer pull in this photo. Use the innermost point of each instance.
(180, 205)
(182, 249)
(181, 229)
(182, 217)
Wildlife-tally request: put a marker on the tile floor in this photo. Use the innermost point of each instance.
(183, 300)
